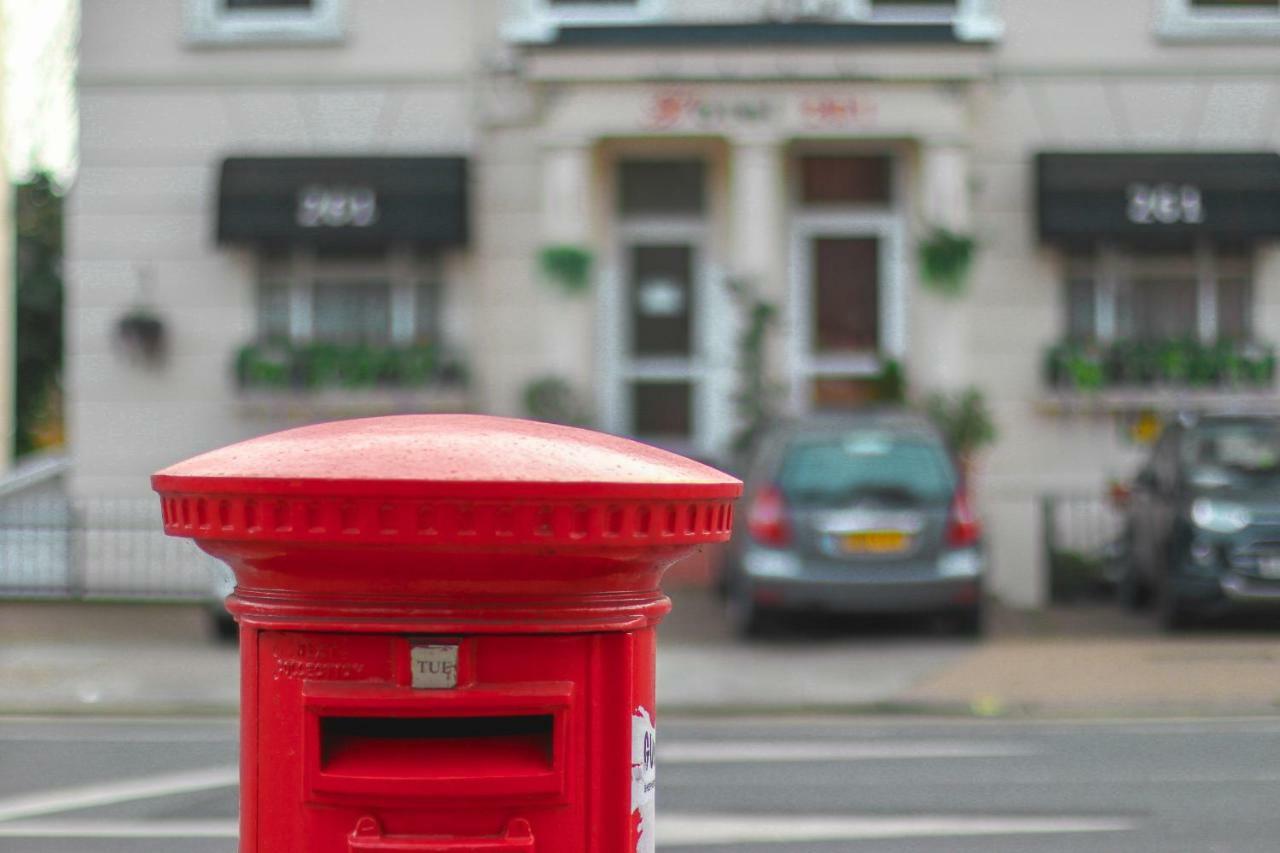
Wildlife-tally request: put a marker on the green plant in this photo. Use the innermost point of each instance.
(891, 383)
(38, 216)
(945, 259)
(552, 399)
(754, 397)
(142, 333)
(964, 420)
(566, 265)
(282, 364)
(1074, 576)
(1179, 363)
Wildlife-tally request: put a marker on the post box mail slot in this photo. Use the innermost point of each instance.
(377, 743)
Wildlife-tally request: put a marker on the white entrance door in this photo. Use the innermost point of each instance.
(848, 311)
(660, 304)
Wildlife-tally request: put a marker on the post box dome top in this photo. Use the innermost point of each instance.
(364, 471)
(477, 456)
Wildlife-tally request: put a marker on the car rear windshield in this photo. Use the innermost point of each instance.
(1234, 450)
(878, 467)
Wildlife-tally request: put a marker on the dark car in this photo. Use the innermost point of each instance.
(859, 513)
(1203, 523)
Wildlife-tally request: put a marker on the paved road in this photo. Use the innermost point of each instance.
(775, 786)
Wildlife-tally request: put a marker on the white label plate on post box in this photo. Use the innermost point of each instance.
(434, 667)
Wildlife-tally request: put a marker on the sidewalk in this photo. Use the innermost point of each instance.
(157, 659)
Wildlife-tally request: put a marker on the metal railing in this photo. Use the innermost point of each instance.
(55, 547)
(1083, 545)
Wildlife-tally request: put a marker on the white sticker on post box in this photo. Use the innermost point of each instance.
(434, 666)
(644, 778)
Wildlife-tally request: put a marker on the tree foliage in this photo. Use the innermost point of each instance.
(964, 419)
(38, 207)
(755, 397)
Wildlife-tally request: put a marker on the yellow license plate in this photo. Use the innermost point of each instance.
(875, 542)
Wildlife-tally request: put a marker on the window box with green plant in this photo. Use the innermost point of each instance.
(1169, 364)
(282, 365)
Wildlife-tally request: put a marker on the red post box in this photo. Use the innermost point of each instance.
(447, 628)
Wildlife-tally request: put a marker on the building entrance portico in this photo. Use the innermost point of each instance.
(803, 193)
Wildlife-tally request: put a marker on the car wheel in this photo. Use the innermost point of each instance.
(1132, 593)
(1174, 613)
(747, 618)
(223, 626)
(723, 585)
(969, 623)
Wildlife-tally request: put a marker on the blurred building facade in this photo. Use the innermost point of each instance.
(293, 210)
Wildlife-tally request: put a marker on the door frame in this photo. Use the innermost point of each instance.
(887, 226)
(620, 368)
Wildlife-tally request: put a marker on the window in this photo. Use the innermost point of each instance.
(660, 392)
(541, 20)
(661, 187)
(662, 296)
(1219, 20)
(834, 472)
(394, 298)
(273, 308)
(828, 180)
(1202, 294)
(914, 11)
(235, 5)
(214, 22)
(1232, 6)
(538, 20)
(846, 297)
(663, 410)
(974, 20)
(352, 311)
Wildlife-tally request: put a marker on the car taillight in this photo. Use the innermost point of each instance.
(963, 528)
(767, 520)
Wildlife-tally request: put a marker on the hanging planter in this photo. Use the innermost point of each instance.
(553, 399)
(945, 259)
(141, 334)
(567, 266)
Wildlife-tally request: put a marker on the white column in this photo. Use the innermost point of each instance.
(566, 220)
(940, 357)
(566, 193)
(755, 197)
(945, 175)
(757, 249)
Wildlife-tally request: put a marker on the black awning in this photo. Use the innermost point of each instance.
(343, 202)
(756, 35)
(1157, 196)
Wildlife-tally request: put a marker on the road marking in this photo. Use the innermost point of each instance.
(673, 829)
(121, 829)
(696, 830)
(118, 791)
(117, 737)
(721, 752)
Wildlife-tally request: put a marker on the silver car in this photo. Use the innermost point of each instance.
(860, 513)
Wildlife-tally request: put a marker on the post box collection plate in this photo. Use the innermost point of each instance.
(434, 666)
(447, 628)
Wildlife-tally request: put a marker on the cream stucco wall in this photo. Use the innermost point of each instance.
(542, 128)
(157, 118)
(1065, 81)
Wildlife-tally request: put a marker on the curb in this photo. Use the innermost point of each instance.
(919, 710)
